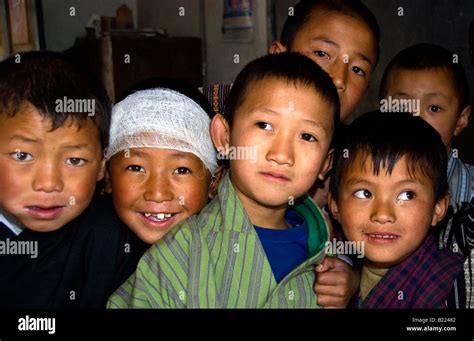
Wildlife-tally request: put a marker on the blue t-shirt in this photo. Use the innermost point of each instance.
(286, 248)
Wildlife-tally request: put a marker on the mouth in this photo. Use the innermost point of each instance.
(276, 177)
(44, 212)
(382, 237)
(158, 219)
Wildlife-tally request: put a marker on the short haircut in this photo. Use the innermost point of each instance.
(294, 68)
(387, 137)
(42, 78)
(428, 57)
(304, 9)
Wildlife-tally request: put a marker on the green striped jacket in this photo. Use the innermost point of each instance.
(216, 260)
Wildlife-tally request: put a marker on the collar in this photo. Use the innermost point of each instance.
(9, 222)
(235, 217)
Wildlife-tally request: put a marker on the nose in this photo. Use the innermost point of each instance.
(158, 188)
(338, 72)
(281, 150)
(48, 178)
(383, 212)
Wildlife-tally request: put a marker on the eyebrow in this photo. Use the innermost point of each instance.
(24, 139)
(333, 43)
(79, 146)
(431, 94)
(274, 113)
(355, 181)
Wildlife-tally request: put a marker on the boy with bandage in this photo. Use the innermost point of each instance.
(161, 159)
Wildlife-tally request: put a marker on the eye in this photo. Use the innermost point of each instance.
(21, 156)
(136, 168)
(308, 137)
(321, 54)
(265, 126)
(406, 196)
(75, 161)
(182, 170)
(357, 70)
(434, 108)
(363, 194)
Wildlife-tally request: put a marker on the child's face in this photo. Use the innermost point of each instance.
(155, 189)
(391, 214)
(289, 129)
(345, 48)
(47, 177)
(439, 104)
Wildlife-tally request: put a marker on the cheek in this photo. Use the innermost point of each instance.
(194, 196)
(123, 192)
(10, 185)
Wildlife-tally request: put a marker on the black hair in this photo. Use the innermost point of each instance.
(427, 57)
(304, 9)
(387, 137)
(288, 66)
(43, 78)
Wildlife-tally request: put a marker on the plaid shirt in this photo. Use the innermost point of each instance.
(423, 280)
(216, 260)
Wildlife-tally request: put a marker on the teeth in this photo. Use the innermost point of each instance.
(159, 216)
(383, 236)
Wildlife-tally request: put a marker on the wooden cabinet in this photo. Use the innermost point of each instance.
(121, 61)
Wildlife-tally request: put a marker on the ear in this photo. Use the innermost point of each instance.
(441, 207)
(333, 207)
(215, 181)
(101, 173)
(108, 183)
(463, 120)
(327, 165)
(277, 47)
(220, 133)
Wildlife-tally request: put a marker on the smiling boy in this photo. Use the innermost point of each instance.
(388, 189)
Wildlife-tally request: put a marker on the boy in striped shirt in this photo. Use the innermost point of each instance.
(256, 244)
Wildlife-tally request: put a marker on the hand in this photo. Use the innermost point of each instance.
(336, 282)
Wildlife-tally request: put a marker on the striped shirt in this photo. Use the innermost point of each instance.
(461, 180)
(215, 260)
(461, 188)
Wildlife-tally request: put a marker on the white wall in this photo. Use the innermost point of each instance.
(61, 29)
(220, 55)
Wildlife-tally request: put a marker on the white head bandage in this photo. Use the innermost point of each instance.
(162, 118)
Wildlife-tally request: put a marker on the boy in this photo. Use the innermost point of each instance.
(425, 80)
(256, 243)
(59, 246)
(340, 36)
(425, 76)
(388, 188)
(157, 178)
